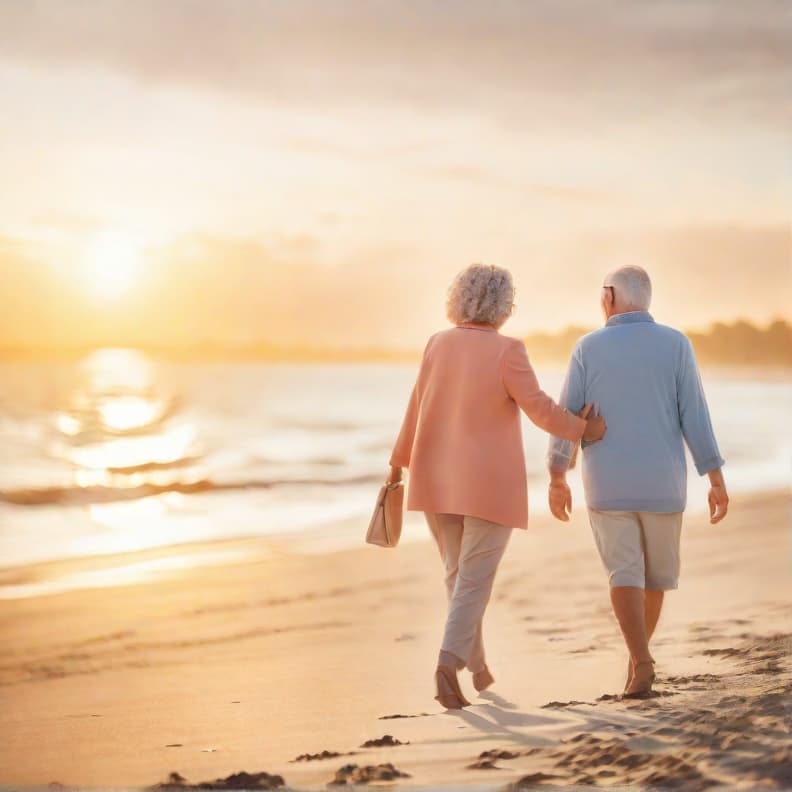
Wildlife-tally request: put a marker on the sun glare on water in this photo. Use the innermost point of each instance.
(112, 265)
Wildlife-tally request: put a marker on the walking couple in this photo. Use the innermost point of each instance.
(461, 441)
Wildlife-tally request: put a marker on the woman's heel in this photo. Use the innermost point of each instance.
(449, 694)
(482, 679)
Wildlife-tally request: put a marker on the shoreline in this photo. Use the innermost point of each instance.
(332, 537)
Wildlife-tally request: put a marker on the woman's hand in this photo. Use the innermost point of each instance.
(395, 475)
(595, 425)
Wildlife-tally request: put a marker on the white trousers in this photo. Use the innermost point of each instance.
(471, 549)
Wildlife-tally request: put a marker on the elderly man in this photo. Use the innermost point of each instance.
(644, 377)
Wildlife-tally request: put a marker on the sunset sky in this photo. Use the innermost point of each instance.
(318, 171)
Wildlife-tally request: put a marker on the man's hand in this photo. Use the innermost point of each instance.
(718, 497)
(559, 497)
(595, 425)
(395, 475)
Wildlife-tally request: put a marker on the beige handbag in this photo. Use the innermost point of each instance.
(386, 522)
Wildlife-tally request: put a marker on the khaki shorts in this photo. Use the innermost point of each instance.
(639, 548)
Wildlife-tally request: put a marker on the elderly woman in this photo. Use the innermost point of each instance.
(461, 440)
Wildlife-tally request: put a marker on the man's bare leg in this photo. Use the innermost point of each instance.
(653, 604)
(628, 606)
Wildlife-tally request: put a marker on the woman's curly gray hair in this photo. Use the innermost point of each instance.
(481, 293)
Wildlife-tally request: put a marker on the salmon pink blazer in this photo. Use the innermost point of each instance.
(461, 437)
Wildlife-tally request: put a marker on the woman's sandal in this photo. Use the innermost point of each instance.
(449, 694)
(646, 686)
(482, 679)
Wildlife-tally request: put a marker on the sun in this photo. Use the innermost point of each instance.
(112, 265)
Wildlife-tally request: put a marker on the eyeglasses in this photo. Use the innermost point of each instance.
(613, 292)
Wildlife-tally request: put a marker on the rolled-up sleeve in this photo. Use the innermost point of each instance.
(522, 385)
(694, 415)
(560, 451)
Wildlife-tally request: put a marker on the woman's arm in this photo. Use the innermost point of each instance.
(522, 385)
(402, 450)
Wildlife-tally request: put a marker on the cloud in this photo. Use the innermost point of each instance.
(538, 63)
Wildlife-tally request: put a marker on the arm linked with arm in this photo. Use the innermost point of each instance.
(522, 385)
(561, 452)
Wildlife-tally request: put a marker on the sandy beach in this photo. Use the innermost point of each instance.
(286, 647)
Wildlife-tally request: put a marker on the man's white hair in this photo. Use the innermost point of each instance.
(632, 287)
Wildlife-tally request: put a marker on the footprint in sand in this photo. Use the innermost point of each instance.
(239, 781)
(483, 764)
(528, 781)
(486, 759)
(386, 741)
(353, 774)
(729, 651)
(562, 704)
(496, 753)
(317, 757)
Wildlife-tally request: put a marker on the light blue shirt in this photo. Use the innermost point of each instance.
(644, 378)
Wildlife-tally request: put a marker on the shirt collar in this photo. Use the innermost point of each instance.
(478, 326)
(630, 317)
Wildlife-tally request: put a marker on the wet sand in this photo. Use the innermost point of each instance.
(299, 664)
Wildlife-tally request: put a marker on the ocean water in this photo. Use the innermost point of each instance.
(118, 452)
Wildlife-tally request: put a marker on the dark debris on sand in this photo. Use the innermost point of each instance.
(528, 781)
(394, 717)
(486, 759)
(240, 780)
(317, 757)
(354, 774)
(483, 764)
(386, 741)
(495, 753)
(649, 695)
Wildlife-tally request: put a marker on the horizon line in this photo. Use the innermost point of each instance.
(267, 350)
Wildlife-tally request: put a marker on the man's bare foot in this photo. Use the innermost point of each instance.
(630, 674)
(641, 683)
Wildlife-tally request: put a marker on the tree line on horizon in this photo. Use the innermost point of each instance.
(739, 343)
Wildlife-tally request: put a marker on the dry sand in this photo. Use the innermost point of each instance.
(286, 648)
